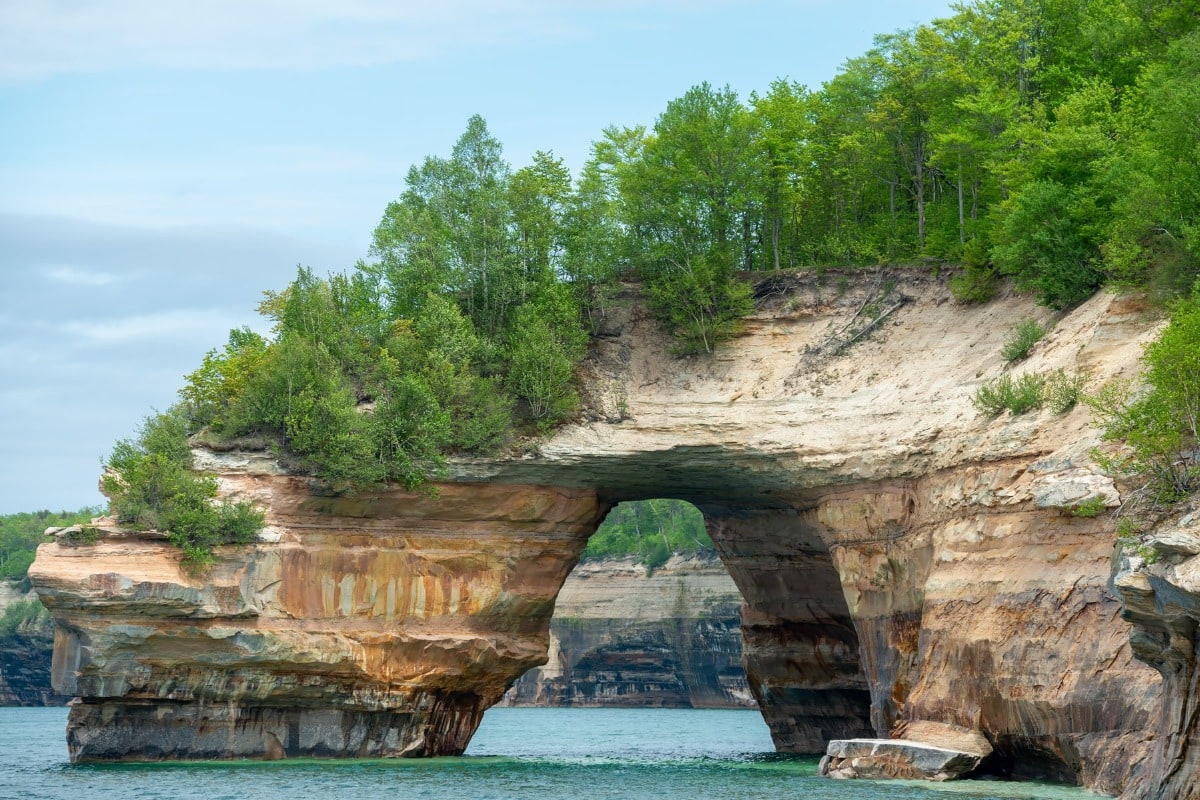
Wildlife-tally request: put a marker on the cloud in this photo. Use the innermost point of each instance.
(79, 277)
(99, 324)
(181, 323)
(62, 36)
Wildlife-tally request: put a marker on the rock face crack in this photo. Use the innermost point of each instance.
(903, 564)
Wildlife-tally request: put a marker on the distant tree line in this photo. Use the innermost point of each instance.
(1051, 141)
(651, 531)
(20, 535)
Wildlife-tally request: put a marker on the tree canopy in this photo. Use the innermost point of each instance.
(1051, 141)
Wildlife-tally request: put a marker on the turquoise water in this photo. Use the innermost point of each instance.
(518, 754)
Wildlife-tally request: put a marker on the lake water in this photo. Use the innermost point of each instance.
(518, 754)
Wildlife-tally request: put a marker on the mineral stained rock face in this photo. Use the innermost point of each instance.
(1161, 589)
(375, 626)
(25, 659)
(620, 637)
(24, 667)
(902, 561)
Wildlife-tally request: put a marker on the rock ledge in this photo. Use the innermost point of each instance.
(895, 758)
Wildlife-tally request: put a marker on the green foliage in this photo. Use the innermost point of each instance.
(1051, 141)
(151, 485)
(83, 536)
(1016, 395)
(461, 333)
(1021, 340)
(1064, 391)
(1159, 425)
(973, 285)
(1028, 392)
(1129, 537)
(20, 535)
(651, 530)
(701, 304)
(1042, 246)
(1091, 507)
(689, 199)
(23, 616)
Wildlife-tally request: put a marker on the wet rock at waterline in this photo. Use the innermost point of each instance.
(883, 759)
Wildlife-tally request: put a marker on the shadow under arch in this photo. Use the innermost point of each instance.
(799, 646)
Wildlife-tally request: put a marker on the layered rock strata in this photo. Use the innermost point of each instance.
(889, 759)
(381, 625)
(25, 659)
(622, 637)
(902, 560)
(1159, 580)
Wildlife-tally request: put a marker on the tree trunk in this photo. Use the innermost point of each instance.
(962, 227)
(919, 172)
(775, 239)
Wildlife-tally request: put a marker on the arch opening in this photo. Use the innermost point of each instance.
(681, 604)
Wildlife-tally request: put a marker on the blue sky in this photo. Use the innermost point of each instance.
(164, 162)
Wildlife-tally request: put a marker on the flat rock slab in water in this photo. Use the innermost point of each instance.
(895, 758)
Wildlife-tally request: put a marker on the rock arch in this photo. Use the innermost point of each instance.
(903, 560)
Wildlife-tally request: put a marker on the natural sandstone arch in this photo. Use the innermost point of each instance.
(904, 561)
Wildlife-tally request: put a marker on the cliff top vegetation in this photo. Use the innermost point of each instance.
(1052, 142)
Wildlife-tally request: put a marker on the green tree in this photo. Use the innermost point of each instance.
(689, 203)
(594, 227)
(1160, 426)
(782, 130)
(545, 345)
(481, 229)
(539, 196)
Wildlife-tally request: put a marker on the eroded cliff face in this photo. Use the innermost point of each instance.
(380, 625)
(902, 560)
(1159, 581)
(25, 658)
(622, 637)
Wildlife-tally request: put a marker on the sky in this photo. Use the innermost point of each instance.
(163, 162)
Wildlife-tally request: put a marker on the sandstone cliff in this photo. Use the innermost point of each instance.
(1159, 580)
(621, 637)
(901, 559)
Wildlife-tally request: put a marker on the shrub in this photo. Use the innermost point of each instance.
(1023, 337)
(1063, 392)
(1160, 425)
(1091, 507)
(1018, 395)
(84, 537)
(1043, 244)
(975, 284)
(150, 485)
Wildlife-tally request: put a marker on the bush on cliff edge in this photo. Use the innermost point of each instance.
(150, 485)
(1160, 424)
